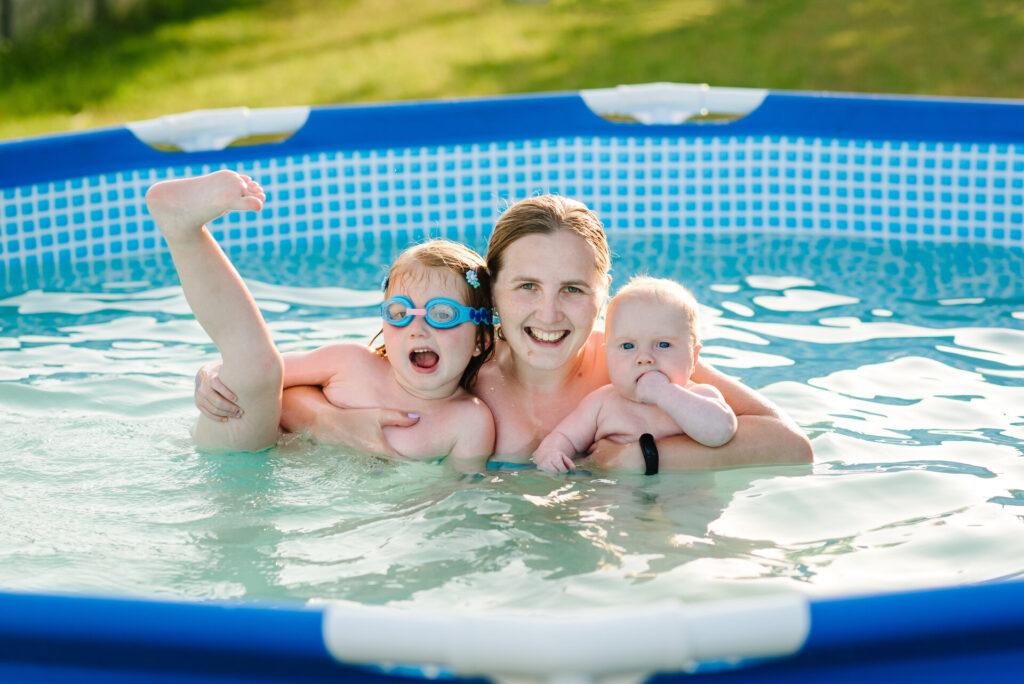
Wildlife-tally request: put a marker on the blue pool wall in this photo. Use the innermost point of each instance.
(969, 633)
(803, 164)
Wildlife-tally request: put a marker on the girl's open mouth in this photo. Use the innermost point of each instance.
(424, 360)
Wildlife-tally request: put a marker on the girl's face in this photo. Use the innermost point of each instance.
(428, 362)
(548, 294)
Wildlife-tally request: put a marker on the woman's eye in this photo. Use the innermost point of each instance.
(572, 289)
(527, 286)
(627, 345)
(664, 345)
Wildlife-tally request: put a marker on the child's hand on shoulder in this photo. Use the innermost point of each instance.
(651, 386)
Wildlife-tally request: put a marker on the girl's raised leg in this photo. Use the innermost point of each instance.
(222, 304)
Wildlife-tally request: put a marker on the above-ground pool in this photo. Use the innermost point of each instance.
(858, 260)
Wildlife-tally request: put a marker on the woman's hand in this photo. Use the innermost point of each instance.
(213, 398)
(306, 409)
(609, 455)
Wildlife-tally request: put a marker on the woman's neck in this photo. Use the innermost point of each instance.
(541, 380)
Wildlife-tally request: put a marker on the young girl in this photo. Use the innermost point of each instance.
(437, 333)
(652, 348)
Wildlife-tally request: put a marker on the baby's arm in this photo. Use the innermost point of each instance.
(475, 441)
(699, 410)
(573, 435)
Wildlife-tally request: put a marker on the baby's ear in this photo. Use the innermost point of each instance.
(696, 352)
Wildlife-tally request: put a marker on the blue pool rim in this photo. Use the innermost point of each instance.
(951, 634)
(361, 127)
(966, 633)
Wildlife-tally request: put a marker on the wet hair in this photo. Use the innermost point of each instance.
(458, 259)
(663, 291)
(545, 215)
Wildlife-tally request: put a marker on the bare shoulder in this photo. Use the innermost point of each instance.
(603, 395)
(470, 410)
(705, 390)
(473, 427)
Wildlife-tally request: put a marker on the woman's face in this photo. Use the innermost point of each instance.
(548, 294)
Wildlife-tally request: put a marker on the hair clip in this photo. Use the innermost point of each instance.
(472, 279)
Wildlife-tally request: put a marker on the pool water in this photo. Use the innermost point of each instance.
(903, 361)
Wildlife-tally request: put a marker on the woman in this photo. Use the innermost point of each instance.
(549, 265)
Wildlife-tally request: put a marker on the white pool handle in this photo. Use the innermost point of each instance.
(672, 103)
(215, 129)
(580, 645)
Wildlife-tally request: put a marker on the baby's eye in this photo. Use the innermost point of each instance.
(627, 345)
(664, 345)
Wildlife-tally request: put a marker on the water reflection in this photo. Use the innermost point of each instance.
(904, 361)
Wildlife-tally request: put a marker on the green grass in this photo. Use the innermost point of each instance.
(193, 54)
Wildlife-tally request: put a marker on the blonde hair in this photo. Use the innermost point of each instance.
(663, 291)
(446, 255)
(547, 214)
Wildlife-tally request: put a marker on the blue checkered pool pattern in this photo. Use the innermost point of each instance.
(940, 191)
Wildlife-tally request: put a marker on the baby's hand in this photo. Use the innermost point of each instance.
(651, 386)
(553, 461)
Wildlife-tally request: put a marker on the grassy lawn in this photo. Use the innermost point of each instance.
(194, 54)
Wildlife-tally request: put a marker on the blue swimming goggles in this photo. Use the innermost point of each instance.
(439, 312)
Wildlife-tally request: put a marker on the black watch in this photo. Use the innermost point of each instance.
(650, 452)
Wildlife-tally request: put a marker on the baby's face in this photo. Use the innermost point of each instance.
(646, 335)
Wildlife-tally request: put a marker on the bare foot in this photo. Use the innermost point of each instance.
(182, 207)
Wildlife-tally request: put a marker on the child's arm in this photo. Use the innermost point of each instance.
(315, 368)
(475, 441)
(572, 436)
(319, 366)
(699, 410)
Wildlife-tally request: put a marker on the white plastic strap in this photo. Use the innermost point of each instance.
(215, 129)
(613, 641)
(672, 103)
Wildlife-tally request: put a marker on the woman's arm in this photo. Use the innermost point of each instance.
(764, 436)
(306, 409)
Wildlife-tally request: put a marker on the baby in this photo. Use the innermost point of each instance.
(651, 348)
(437, 332)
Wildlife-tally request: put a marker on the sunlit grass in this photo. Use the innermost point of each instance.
(197, 54)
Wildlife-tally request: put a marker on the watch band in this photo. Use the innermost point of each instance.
(650, 453)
